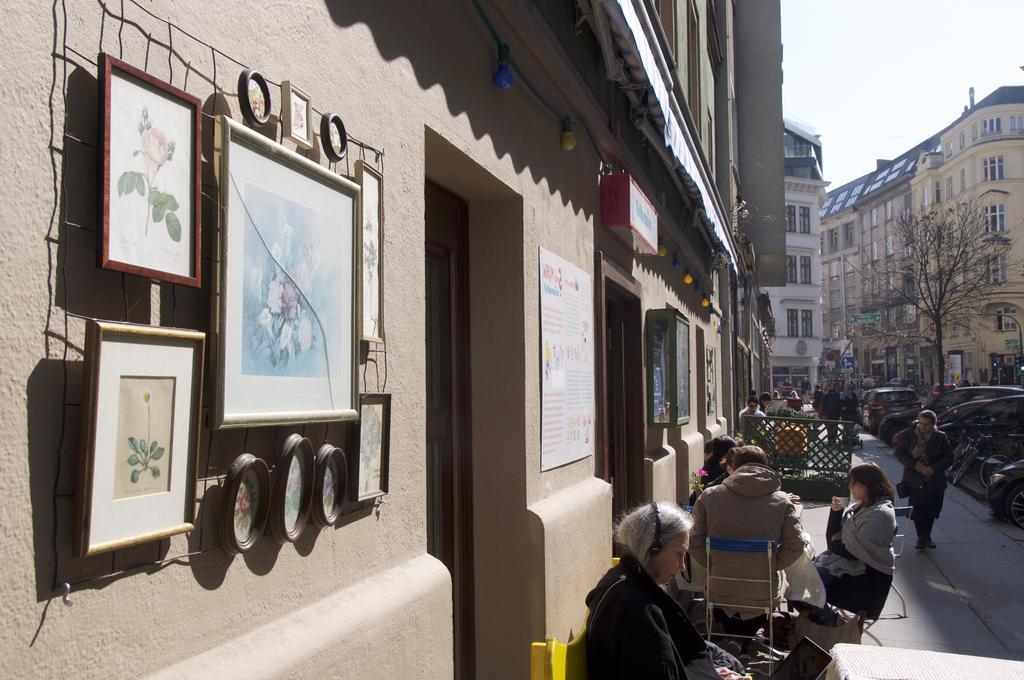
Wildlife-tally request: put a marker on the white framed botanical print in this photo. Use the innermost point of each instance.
(142, 396)
(296, 112)
(150, 209)
(370, 467)
(371, 303)
(288, 277)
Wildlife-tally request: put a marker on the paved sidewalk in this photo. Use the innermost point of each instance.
(964, 597)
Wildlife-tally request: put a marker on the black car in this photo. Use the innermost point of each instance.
(900, 420)
(1006, 493)
(998, 415)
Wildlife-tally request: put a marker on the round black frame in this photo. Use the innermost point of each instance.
(244, 78)
(295, 445)
(326, 121)
(236, 474)
(324, 456)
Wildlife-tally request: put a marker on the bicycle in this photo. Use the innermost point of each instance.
(965, 454)
(1009, 450)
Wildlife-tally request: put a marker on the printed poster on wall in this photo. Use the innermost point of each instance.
(567, 362)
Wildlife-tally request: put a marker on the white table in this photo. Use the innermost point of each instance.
(863, 662)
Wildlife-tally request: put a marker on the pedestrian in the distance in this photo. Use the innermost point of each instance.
(831, 406)
(819, 394)
(848, 404)
(925, 453)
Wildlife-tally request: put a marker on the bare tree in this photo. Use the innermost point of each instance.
(950, 259)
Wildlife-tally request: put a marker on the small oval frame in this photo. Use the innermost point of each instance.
(327, 454)
(241, 466)
(252, 76)
(327, 121)
(294, 445)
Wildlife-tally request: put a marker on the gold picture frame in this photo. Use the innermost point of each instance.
(140, 435)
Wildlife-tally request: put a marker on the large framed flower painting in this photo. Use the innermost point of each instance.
(289, 277)
(140, 431)
(151, 134)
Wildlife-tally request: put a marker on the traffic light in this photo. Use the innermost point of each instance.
(1020, 363)
(994, 358)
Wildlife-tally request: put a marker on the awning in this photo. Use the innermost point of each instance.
(648, 68)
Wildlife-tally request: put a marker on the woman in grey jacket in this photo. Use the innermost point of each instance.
(857, 569)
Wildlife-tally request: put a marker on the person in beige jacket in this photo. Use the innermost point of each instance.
(748, 505)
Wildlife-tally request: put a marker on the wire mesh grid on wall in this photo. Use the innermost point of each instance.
(80, 290)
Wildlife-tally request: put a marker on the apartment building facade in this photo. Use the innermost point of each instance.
(796, 307)
(978, 158)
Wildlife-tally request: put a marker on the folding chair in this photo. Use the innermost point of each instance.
(743, 546)
(553, 660)
(903, 515)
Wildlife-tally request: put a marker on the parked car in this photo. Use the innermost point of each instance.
(885, 400)
(1005, 414)
(900, 420)
(870, 381)
(898, 382)
(1006, 493)
(942, 388)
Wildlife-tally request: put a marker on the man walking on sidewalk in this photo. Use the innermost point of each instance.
(925, 453)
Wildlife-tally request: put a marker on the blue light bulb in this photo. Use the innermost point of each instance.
(504, 77)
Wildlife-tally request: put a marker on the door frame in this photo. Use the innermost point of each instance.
(461, 507)
(609, 278)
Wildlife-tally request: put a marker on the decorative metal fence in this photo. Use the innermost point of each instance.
(812, 456)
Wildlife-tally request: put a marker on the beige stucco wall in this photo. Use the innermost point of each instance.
(363, 597)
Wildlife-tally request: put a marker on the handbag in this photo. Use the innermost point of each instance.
(849, 629)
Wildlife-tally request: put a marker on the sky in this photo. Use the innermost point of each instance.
(875, 77)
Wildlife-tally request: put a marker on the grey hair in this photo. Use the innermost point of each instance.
(635, 531)
(930, 415)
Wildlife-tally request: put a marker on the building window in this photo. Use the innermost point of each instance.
(890, 245)
(874, 250)
(807, 323)
(949, 187)
(949, 150)
(997, 269)
(805, 269)
(974, 131)
(991, 126)
(833, 241)
(924, 196)
(995, 217)
(908, 203)
(791, 218)
(938, 192)
(1016, 123)
(805, 220)
(874, 217)
(963, 179)
(963, 140)
(863, 222)
(848, 235)
(792, 323)
(1006, 318)
(888, 210)
(833, 300)
(790, 268)
(993, 168)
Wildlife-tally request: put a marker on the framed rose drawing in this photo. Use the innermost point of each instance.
(296, 112)
(330, 485)
(136, 474)
(288, 277)
(372, 300)
(369, 467)
(149, 201)
(246, 504)
(293, 489)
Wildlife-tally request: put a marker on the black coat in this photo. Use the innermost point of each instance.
(938, 456)
(867, 591)
(636, 630)
(830, 406)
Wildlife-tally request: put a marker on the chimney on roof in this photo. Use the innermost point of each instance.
(881, 163)
(970, 96)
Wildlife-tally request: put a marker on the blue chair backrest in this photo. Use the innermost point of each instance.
(743, 545)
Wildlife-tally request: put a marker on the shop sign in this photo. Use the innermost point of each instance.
(627, 213)
(1013, 344)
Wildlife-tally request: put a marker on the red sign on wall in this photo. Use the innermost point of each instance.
(626, 212)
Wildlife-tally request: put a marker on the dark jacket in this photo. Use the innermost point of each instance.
(830, 406)
(848, 405)
(636, 630)
(938, 456)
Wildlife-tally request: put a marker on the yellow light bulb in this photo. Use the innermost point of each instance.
(568, 139)
(662, 250)
(688, 278)
(705, 302)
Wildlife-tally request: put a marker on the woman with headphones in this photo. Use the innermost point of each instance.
(634, 628)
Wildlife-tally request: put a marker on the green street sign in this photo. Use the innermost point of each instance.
(1012, 344)
(870, 317)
